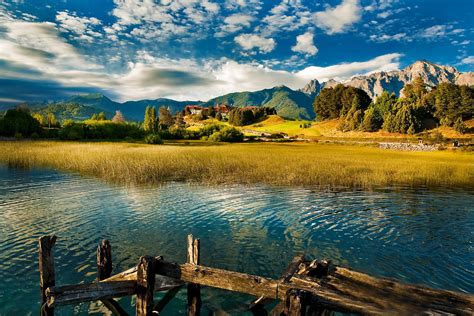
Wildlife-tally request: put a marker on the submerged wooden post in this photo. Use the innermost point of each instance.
(145, 286)
(104, 260)
(194, 290)
(104, 271)
(295, 303)
(46, 270)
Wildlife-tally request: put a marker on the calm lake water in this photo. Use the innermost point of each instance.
(414, 235)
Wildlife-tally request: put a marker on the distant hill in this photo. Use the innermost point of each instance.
(288, 103)
(64, 111)
(132, 110)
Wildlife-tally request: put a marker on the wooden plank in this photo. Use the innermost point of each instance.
(78, 293)
(331, 291)
(341, 290)
(46, 270)
(145, 286)
(104, 270)
(194, 290)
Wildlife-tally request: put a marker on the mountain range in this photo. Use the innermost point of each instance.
(394, 81)
(289, 103)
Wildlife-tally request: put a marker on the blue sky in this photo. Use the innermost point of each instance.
(197, 49)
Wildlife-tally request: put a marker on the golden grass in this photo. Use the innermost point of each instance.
(328, 129)
(280, 164)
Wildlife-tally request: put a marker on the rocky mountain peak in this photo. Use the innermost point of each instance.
(312, 88)
(394, 81)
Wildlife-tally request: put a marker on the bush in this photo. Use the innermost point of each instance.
(19, 121)
(153, 139)
(93, 129)
(227, 134)
(459, 126)
(210, 129)
(18, 136)
(34, 136)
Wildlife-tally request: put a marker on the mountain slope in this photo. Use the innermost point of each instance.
(394, 81)
(288, 103)
(132, 110)
(64, 111)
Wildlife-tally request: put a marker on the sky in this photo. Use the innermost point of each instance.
(198, 49)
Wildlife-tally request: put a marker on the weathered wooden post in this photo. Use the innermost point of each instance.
(295, 303)
(194, 290)
(145, 286)
(46, 270)
(104, 271)
(104, 260)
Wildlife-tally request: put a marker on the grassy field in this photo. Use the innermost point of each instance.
(328, 129)
(280, 164)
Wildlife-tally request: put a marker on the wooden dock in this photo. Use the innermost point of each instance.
(306, 287)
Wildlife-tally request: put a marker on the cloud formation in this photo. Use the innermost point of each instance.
(339, 18)
(251, 41)
(304, 44)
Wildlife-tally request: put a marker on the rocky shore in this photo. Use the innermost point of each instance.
(408, 147)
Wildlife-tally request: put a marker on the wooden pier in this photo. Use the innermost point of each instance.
(305, 288)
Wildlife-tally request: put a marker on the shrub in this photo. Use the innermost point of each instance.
(210, 129)
(153, 139)
(227, 134)
(459, 126)
(18, 136)
(19, 121)
(34, 136)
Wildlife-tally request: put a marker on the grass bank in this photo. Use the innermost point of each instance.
(280, 164)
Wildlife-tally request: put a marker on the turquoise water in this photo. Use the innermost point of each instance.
(414, 235)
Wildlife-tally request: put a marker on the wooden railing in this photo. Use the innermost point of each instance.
(304, 288)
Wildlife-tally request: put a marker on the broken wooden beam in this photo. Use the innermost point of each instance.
(46, 270)
(362, 294)
(294, 266)
(78, 293)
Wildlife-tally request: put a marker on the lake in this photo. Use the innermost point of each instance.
(414, 235)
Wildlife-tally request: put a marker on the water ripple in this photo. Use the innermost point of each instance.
(409, 234)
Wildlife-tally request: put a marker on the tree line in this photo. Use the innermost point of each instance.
(418, 108)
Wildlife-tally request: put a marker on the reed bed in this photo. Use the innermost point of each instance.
(276, 164)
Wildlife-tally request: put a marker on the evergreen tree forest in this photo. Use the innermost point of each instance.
(418, 108)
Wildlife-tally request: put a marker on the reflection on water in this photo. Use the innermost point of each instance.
(418, 236)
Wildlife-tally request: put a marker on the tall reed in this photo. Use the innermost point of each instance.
(280, 164)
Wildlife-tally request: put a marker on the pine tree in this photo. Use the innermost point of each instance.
(165, 118)
(101, 116)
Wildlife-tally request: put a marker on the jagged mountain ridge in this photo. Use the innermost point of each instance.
(394, 81)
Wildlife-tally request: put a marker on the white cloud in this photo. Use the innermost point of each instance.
(251, 41)
(287, 16)
(339, 18)
(386, 37)
(468, 60)
(234, 23)
(81, 26)
(304, 44)
(346, 70)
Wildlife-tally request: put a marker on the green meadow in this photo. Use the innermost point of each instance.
(300, 164)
